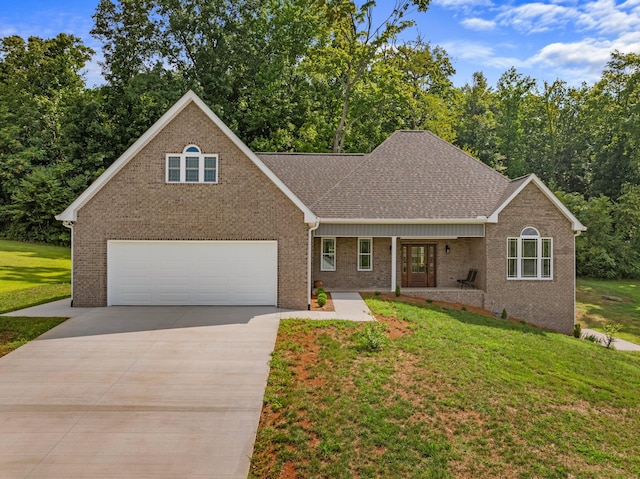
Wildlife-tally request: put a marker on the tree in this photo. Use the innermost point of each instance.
(349, 46)
(39, 80)
(476, 129)
(613, 111)
(240, 56)
(514, 93)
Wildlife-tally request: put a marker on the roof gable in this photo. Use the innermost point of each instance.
(520, 184)
(70, 213)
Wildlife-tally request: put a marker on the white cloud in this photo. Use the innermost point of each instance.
(478, 24)
(607, 17)
(463, 3)
(536, 17)
(480, 54)
(583, 60)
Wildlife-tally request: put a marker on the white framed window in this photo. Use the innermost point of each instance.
(191, 166)
(365, 254)
(529, 256)
(328, 259)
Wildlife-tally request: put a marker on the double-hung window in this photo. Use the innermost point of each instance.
(529, 256)
(365, 254)
(328, 260)
(192, 166)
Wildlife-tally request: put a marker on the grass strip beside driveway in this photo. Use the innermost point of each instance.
(451, 394)
(17, 330)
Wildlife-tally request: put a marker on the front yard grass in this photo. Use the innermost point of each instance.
(32, 274)
(593, 311)
(452, 394)
(17, 330)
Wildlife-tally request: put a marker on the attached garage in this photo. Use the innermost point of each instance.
(192, 273)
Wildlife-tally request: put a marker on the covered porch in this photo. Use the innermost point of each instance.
(472, 297)
(425, 260)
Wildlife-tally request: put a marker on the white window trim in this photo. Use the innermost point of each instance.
(370, 254)
(323, 254)
(183, 166)
(539, 265)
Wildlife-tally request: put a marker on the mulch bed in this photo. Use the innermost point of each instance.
(327, 307)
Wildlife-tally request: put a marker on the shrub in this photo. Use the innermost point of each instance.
(322, 299)
(610, 330)
(372, 337)
(592, 338)
(320, 290)
(577, 331)
(376, 293)
(398, 290)
(504, 314)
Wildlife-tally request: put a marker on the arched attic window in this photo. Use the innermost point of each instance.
(192, 166)
(529, 256)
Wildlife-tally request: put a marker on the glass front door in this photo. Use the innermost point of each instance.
(419, 265)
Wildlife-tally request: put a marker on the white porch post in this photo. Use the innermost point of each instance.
(393, 262)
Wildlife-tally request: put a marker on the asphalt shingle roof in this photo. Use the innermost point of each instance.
(411, 175)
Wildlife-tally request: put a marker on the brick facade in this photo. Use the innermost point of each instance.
(137, 204)
(545, 303)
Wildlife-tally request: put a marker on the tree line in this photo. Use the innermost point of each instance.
(309, 76)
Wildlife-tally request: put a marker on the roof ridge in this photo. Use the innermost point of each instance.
(366, 157)
(293, 153)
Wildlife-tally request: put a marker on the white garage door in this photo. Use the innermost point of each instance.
(192, 272)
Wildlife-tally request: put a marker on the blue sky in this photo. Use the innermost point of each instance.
(547, 39)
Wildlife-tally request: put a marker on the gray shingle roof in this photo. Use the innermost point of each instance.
(411, 175)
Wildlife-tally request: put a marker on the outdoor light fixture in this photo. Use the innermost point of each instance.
(447, 249)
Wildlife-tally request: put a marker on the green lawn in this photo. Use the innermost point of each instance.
(32, 274)
(16, 331)
(452, 395)
(593, 311)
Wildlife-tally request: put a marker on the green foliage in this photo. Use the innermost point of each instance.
(398, 291)
(372, 337)
(610, 330)
(322, 299)
(505, 397)
(504, 314)
(593, 311)
(16, 331)
(577, 331)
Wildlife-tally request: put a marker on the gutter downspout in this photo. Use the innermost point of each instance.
(314, 226)
(69, 224)
(575, 272)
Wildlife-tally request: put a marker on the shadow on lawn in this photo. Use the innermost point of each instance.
(35, 274)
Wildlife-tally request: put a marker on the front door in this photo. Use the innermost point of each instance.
(419, 265)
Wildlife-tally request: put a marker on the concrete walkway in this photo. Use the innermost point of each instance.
(619, 344)
(140, 392)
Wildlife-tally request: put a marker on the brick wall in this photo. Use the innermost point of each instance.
(465, 253)
(546, 303)
(346, 275)
(137, 204)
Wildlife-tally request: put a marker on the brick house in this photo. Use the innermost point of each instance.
(190, 215)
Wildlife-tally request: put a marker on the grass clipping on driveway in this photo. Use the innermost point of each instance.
(451, 394)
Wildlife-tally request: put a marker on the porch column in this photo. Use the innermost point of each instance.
(393, 262)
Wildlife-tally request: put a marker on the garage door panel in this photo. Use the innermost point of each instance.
(192, 272)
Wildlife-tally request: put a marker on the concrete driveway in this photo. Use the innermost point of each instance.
(132, 392)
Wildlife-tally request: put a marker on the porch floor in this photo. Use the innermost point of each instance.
(469, 296)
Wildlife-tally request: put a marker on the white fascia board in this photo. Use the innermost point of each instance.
(576, 225)
(70, 214)
(309, 217)
(404, 221)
